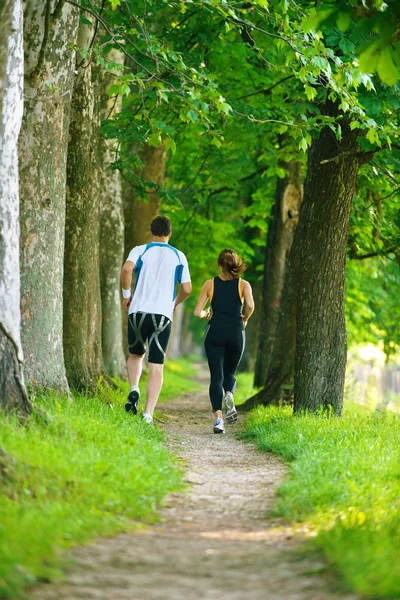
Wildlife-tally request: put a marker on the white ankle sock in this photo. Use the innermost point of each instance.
(135, 388)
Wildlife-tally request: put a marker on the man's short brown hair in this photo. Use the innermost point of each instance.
(161, 226)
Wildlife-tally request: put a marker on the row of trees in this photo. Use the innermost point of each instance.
(209, 111)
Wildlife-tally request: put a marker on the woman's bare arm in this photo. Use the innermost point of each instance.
(202, 301)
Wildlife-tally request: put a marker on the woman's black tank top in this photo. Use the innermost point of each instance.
(226, 303)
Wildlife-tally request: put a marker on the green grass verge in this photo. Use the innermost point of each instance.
(345, 482)
(85, 469)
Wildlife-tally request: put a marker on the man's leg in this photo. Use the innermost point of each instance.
(154, 385)
(134, 366)
(158, 344)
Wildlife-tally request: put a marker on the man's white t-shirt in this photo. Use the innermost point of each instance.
(155, 290)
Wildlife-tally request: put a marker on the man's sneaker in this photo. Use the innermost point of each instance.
(133, 401)
(219, 426)
(147, 418)
(231, 412)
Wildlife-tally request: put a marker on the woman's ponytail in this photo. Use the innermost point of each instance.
(231, 263)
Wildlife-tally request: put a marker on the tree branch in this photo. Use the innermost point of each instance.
(268, 90)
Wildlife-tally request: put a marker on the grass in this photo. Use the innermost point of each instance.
(84, 469)
(344, 482)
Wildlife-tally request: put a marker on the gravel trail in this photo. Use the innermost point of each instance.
(216, 540)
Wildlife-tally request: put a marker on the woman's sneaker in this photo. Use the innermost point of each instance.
(219, 426)
(133, 401)
(231, 412)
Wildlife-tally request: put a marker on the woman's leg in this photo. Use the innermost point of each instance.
(215, 357)
(233, 354)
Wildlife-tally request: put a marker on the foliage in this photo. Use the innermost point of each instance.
(76, 470)
(344, 484)
(372, 307)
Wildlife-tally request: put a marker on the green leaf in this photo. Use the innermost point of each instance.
(303, 145)
(115, 4)
(354, 125)
(170, 145)
(343, 21)
(85, 21)
(387, 70)
(192, 116)
(155, 139)
(310, 92)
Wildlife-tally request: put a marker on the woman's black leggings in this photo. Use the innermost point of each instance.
(224, 345)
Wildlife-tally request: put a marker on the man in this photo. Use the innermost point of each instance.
(159, 267)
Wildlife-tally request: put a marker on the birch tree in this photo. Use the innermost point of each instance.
(12, 389)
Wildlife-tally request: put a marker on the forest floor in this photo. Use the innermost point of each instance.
(214, 540)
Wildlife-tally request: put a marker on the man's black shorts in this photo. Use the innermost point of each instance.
(154, 329)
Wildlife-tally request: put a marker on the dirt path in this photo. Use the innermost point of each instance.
(214, 541)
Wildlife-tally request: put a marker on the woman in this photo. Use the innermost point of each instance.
(224, 340)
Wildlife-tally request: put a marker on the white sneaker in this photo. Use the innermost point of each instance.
(219, 426)
(231, 412)
(147, 418)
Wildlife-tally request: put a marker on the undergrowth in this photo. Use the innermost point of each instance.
(344, 482)
(75, 470)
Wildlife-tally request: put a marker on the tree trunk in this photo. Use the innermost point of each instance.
(82, 301)
(138, 213)
(12, 389)
(281, 367)
(321, 346)
(111, 237)
(281, 228)
(248, 362)
(49, 74)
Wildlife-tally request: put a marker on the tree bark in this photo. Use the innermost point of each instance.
(12, 389)
(249, 358)
(281, 367)
(321, 346)
(139, 213)
(49, 74)
(281, 228)
(82, 301)
(111, 237)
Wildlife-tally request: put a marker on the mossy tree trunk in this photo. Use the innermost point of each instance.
(49, 35)
(111, 235)
(321, 345)
(12, 389)
(281, 228)
(82, 301)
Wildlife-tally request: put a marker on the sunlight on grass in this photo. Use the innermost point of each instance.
(345, 481)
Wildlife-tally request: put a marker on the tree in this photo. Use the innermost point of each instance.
(50, 30)
(281, 228)
(12, 389)
(321, 348)
(111, 230)
(82, 301)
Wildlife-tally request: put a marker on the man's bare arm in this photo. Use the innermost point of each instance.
(126, 280)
